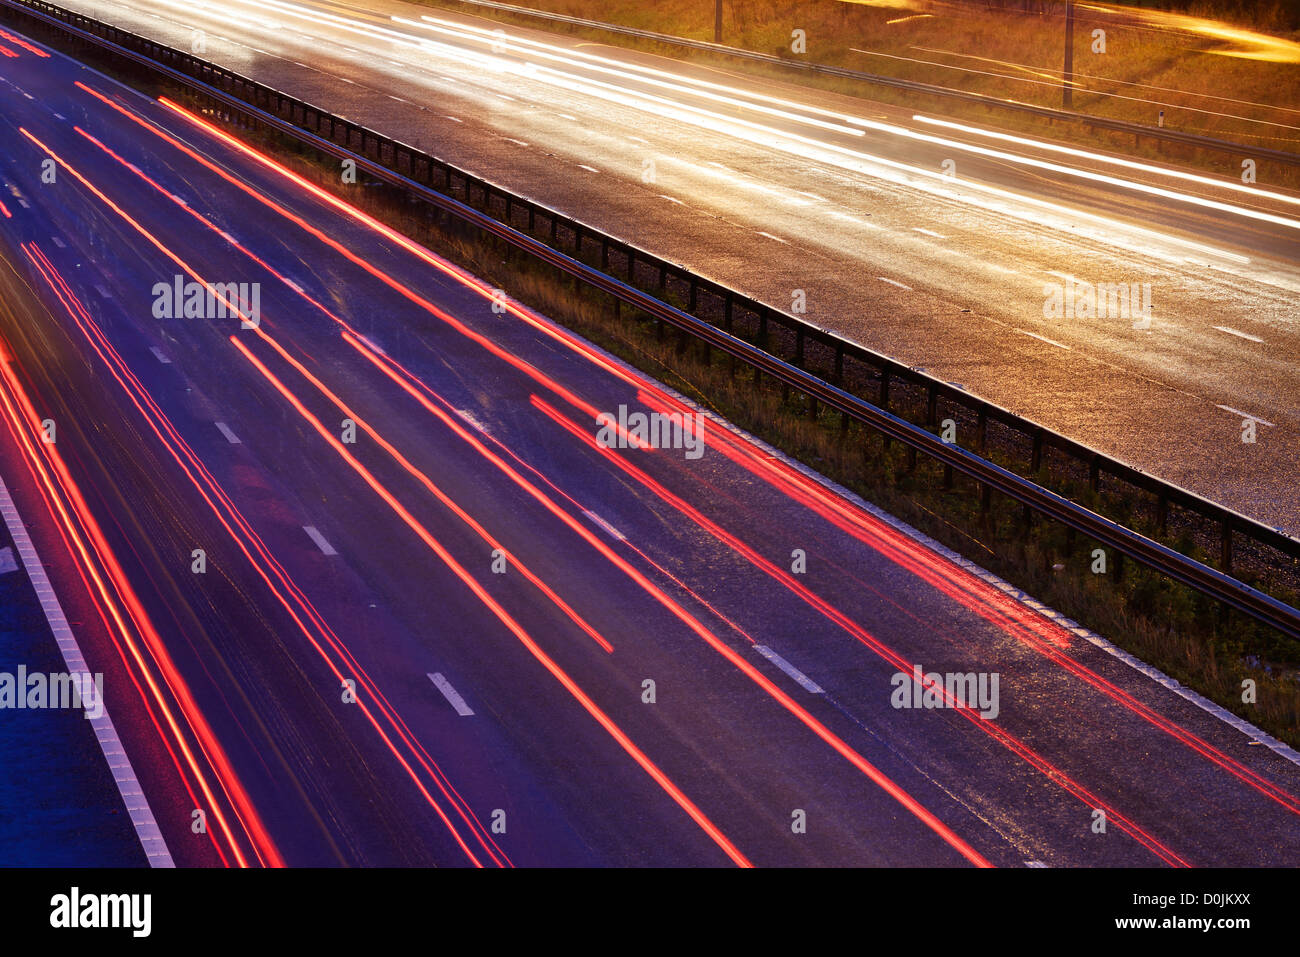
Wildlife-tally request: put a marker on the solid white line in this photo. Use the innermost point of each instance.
(1245, 415)
(1050, 342)
(802, 679)
(450, 693)
(610, 530)
(224, 429)
(1235, 332)
(770, 236)
(319, 539)
(894, 282)
(160, 355)
(137, 805)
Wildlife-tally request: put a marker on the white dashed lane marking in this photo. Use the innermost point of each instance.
(160, 355)
(1050, 342)
(609, 529)
(1238, 333)
(800, 678)
(319, 539)
(224, 429)
(1246, 415)
(451, 694)
(894, 282)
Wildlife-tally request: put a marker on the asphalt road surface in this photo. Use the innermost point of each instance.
(772, 188)
(367, 589)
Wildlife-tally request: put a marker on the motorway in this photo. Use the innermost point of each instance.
(772, 188)
(435, 622)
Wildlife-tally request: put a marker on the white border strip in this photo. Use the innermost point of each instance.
(137, 805)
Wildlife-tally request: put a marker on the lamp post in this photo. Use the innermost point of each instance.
(1067, 87)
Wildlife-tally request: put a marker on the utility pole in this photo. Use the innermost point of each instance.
(1067, 87)
(717, 21)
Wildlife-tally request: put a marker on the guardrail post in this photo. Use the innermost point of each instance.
(694, 297)
(1094, 472)
(604, 253)
(932, 406)
(1036, 457)
(1162, 512)
(982, 430)
(1225, 556)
